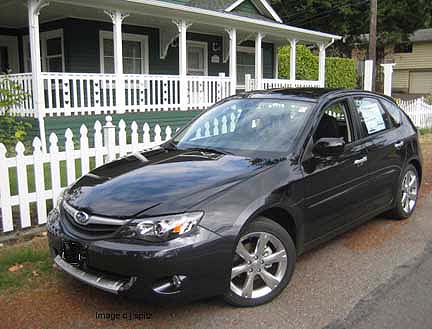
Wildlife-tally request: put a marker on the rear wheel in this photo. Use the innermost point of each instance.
(263, 263)
(406, 198)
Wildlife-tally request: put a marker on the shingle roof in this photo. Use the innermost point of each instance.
(217, 5)
(422, 35)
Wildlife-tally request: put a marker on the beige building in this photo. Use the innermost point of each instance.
(413, 70)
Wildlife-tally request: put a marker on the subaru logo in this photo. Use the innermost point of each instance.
(81, 217)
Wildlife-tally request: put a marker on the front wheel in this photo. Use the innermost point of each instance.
(406, 198)
(263, 263)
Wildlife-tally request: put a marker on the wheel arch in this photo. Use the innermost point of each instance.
(287, 220)
(417, 164)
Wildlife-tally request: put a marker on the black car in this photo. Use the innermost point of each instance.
(227, 205)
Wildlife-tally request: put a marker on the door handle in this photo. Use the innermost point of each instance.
(399, 145)
(360, 162)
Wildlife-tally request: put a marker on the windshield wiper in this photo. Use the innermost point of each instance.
(208, 150)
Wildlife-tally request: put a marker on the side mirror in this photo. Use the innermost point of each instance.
(329, 147)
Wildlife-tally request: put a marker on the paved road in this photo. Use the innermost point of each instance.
(405, 301)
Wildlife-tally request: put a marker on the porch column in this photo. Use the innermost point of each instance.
(232, 33)
(276, 62)
(117, 18)
(258, 60)
(34, 8)
(293, 60)
(182, 26)
(322, 57)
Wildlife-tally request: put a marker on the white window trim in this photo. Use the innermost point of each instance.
(43, 36)
(248, 50)
(142, 38)
(204, 45)
(11, 42)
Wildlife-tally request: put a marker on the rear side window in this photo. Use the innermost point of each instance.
(372, 116)
(394, 112)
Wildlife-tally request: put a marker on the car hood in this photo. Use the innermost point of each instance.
(164, 181)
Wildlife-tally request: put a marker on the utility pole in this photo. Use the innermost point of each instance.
(373, 38)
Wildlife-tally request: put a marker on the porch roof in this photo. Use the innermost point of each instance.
(13, 14)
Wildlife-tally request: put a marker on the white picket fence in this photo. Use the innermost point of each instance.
(50, 172)
(419, 111)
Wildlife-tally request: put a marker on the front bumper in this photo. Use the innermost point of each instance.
(199, 263)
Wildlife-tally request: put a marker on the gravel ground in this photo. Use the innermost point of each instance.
(328, 282)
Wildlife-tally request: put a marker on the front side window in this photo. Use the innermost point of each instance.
(245, 64)
(247, 125)
(197, 58)
(52, 54)
(335, 123)
(372, 116)
(134, 53)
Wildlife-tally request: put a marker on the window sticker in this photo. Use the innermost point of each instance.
(372, 117)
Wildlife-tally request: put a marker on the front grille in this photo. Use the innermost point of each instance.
(89, 231)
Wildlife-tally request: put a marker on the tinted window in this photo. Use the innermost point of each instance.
(372, 116)
(334, 123)
(394, 112)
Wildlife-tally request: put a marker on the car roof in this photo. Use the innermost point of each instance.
(307, 94)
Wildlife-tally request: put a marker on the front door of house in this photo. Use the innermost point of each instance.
(197, 58)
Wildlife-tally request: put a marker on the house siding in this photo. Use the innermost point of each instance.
(407, 64)
(82, 53)
(401, 80)
(420, 58)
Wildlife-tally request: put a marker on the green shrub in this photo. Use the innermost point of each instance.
(340, 72)
(428, 99)
(12, 129)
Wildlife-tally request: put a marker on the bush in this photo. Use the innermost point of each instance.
(340, 72)
(12, 129)
(428, 99)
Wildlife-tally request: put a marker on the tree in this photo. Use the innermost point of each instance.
(396, 20)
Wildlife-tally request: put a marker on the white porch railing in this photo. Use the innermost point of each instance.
(93, 93)
(24, 80)
(250, 84)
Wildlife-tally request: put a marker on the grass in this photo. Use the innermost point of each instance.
(425, 131)
(35, 260)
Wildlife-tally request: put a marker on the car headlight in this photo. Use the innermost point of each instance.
(54, 214)
(162, 228)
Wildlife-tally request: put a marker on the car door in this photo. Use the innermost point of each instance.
(386, 148)
(335, 187)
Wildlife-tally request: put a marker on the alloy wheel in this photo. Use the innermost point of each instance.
(260, 263)
(409, 191)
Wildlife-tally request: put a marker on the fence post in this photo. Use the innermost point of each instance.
(388, 73)
(5, 206)
(368, 71)
(109, 138)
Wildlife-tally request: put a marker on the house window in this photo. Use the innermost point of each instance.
(135, 53)
(245, 64)
(52, 51)
(197, 58)
(405, 47)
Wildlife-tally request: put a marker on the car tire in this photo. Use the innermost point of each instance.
(407, 194)
(274, 255)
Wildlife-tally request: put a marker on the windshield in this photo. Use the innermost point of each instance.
(248, 125)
